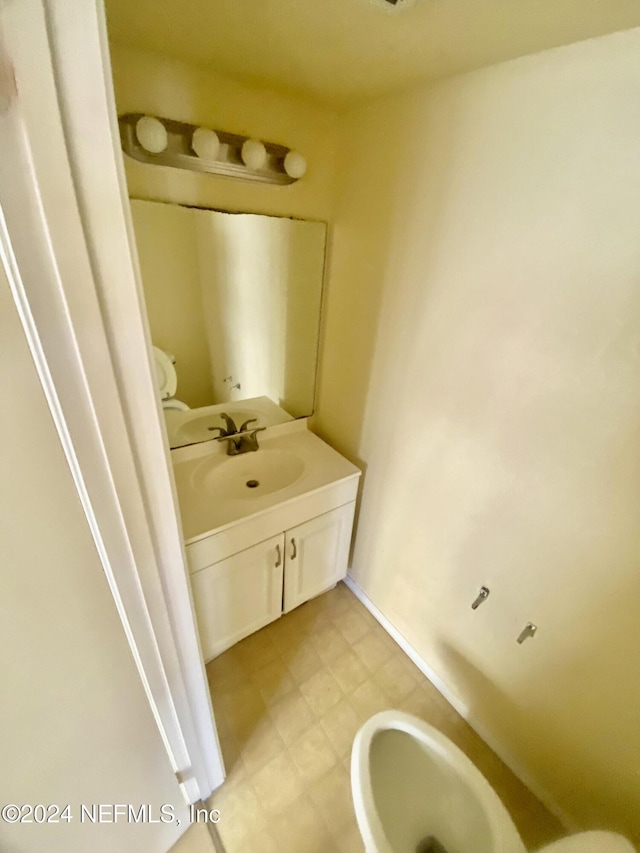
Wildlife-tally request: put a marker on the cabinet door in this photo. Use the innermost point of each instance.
(316, 555)
(239, 595)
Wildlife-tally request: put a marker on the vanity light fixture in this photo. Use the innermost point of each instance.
(151, 134)
(165, 142)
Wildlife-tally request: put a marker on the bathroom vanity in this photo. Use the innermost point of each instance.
(264, 531)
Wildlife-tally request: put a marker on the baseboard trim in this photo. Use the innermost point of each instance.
(455, 701)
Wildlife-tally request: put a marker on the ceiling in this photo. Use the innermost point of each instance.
(340, 52)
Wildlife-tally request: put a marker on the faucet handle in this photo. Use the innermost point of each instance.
(252, 439)
(244, 426)
(231, 427)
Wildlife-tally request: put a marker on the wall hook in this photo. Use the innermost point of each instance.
(529, 630)
(482, 596)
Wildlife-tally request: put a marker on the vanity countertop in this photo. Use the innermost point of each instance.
(217, 491)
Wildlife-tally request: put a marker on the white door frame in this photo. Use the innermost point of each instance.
(66, 244)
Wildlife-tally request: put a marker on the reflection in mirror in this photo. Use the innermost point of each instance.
(233, 302)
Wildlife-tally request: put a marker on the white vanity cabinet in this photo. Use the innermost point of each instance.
(264, 531)
(239, 595)
(244, 592)
(317, 553)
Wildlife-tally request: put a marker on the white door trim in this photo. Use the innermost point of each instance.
(53, 243)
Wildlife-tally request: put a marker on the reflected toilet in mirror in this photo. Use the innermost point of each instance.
(167, 380)
(233, 302)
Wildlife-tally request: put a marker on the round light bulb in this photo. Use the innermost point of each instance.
(152, 134)
(205, 143)
(254, 154)
(295, 164)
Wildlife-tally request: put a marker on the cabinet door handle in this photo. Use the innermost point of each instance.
(279, 554)
(294, 550)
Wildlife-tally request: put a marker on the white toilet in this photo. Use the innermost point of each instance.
(167, 380)
(415, 792)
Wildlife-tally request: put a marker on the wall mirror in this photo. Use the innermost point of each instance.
(233, 302)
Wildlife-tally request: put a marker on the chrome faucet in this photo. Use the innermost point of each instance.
(243, 441)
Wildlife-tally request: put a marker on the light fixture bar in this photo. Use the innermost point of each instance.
(179, 154)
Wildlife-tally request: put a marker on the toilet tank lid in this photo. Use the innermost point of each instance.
(166, 378)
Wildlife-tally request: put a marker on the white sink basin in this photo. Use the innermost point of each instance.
(251, 475)
(217, 491)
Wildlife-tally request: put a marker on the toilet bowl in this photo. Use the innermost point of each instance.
(176, 405)
(167, 380)
(415, 792)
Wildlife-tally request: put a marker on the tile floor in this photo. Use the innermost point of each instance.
(196, 839)
(288, 701)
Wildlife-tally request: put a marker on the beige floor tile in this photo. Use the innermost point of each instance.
(284, 635)
(224, 675)
(235, 837)
(418, 676)
(302, 662)
(396, 678)
(301, 829)
(321, 691)
(195, 840)
(368, 699)
(221, 665)
(304, 619)
(351, 625)
(260, 841)
(329, 643)
(332, 797)
(263, 744)
(340, 725)
(313, 754)
(362, 611)
(242, 710)
(236, 775)
(350, 841)
(277, 785)
(292, 716)
(255, 651)
(318, 610)
(342, 599)
(430, 706)
(231, 754)
(373, 650)
(349, 671)
(274, 681)
(240, 811)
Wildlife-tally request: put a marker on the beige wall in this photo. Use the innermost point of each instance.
(155, 84)
(75, 726)
(481, 359)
